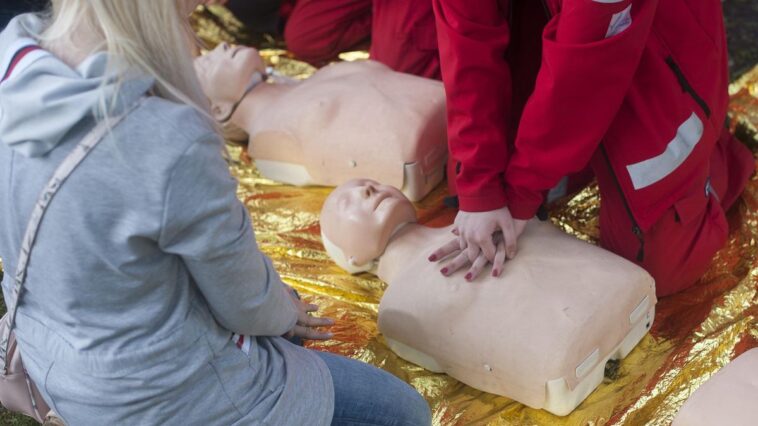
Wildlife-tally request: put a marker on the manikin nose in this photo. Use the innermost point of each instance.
(368, 190)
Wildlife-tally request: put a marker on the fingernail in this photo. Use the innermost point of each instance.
(444, 271)
(495, 273)
(432, 258)
(468, 276)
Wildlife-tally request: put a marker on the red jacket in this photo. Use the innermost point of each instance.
(642, 83)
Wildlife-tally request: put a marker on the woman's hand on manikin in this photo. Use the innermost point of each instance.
(306, 326)
(482, 238)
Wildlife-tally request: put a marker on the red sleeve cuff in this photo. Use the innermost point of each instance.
(523, 203)
(484, 201)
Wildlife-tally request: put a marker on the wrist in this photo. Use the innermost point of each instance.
(482, 203)
(523, 204)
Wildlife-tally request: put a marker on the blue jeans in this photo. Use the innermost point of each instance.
(366, 395)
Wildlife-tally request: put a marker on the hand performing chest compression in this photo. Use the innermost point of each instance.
(481, 238)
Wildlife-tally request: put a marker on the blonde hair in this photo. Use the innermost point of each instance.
(151, 36)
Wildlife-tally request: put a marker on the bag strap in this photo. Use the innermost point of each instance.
(62, 173)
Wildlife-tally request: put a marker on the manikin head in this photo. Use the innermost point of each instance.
(358, 220)
(225, 74)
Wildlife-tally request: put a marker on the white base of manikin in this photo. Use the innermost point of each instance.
(291, 174)
(416, 357)
(560, 400)
(416, 184)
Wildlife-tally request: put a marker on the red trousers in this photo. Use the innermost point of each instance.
(402, 32)
(678, 249)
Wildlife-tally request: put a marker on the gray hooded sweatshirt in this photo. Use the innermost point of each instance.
(145, 263)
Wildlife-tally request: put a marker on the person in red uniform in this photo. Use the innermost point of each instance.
(636, 90)
(402, 32)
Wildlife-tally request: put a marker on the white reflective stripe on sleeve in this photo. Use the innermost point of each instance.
(619, 22)
(648, 172)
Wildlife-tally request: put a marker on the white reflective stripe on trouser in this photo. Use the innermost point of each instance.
(648, 172)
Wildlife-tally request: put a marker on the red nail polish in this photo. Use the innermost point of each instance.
(468, 276)
(444, 271)
(432, 258)
(495, 273)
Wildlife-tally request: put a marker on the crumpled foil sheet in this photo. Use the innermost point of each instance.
(743, 111)
(695, 333)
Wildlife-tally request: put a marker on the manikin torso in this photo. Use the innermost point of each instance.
(729, 397)
(349, 120)
(558, 312)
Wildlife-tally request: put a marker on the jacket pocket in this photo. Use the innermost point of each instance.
(244, 385)
(695, 52)
(687, 87)
(690, 208)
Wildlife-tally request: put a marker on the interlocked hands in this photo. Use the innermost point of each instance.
(482, 238)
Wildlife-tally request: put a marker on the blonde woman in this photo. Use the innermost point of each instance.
(145, 272)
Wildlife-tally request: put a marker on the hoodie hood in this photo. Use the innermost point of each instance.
(42, 98)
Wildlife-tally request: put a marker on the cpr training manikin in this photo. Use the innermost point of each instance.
(730, 397)
(348, 120)
(541, 333)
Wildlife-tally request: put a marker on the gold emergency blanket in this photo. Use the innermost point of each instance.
(695, 333)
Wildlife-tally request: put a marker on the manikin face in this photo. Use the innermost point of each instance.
(225, 73)
(360, 216)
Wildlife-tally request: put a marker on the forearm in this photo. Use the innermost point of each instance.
(473, 39)
(244, 291)
(210, 230)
